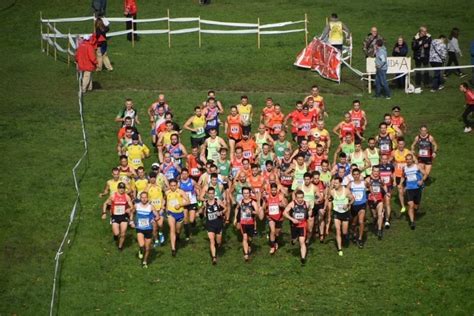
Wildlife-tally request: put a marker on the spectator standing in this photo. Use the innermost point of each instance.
(421, 53)
(400, 50)
(130, 11)
(86, 61)
(469, 95)
(99, 7)
(453, 52)
(438, 54)
(381, 67)
(101, 29)
(335, 32)
(370, 42)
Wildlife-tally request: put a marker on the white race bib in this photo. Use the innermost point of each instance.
(119, 210)
(385, 147)
(358, 196)
(423, 152)
(386, 179)
(212, 216)
(411, 177)
(299, 216)
(143, 222)
(273, 209)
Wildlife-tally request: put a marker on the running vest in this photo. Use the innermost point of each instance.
(325, 177)
(224, 167)
(173, 199)
(246, 213)
(212, 211)
(386, 172)
(376, 189)
(336, 34)
(300, 212)
(298, 177)
(212, 120)
(356, 118)
(199, 123)
(425, 147)
(155, 195)
(140, 185)
(339, 201)
(359, 192)
(274, 210)
(176, 152)
(346, 166)
(309, 197)
(213, 149)
(400, 161)
(238, 191)
(193, 166)
(348, 149)
(385, 144)
(144, 216)
(374, 160)
(263, 159)
(285, 179)
(412, 176)
(189, 189)
(169, 170)
(261, 140)
(347, 129)
(359, 161)
(236, 166)
(280, 148)
(234, 127)
(119, 204)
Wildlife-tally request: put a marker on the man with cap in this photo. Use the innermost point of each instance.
(86, 61)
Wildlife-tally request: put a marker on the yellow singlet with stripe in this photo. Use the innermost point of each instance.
(155, 195)
(173, 199)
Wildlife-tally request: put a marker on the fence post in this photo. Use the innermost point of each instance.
(258, 33)
(47, 41)
(199, 31)
(41, 27)
(369, 84)
(55, 43)
(169, 30)
(350, 49)
(306, 29)
(133, 34)
(68, 48)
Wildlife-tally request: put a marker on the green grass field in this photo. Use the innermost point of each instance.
(429, 271)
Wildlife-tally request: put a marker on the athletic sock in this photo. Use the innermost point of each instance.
(186, 230)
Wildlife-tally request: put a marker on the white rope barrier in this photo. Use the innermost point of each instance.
(281, 32)
(229, 31)
(269, 26)
(72, 216)
(209, 22)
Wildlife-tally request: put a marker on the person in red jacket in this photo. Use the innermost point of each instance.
(130, 11)
(86, 61)
(469, 94)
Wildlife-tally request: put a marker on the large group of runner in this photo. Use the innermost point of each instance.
(257, 181)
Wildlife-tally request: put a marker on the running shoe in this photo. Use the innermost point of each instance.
(412, 225)
(272, 250)
(144, 265)
(403, 210)
(360, 243)
(214, 261)
(467, 129)
(140, 254)
(161, 237)
(173, 253)
(379, 234)
(303, 261)
(387, 225)
(340, 253)
(156, 243)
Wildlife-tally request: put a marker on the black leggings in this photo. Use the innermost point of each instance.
(469, 109)
(452, 59)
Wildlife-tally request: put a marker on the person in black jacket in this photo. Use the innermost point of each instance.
(421, 53)
(400, 50)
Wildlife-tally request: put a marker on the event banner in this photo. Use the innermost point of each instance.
(321, 57)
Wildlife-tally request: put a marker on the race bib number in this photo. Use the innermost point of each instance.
(376, 189)
(423, 152)
(339, 208)
(235, 171)
(318, 168)
(173, 203)
(299, 216)
(119, 210)
(143, 222)
(169, 175)
(358, 196)
(277, 128)
(155, 202)
(137, 161)
(385, 147)
(247, 154)
(212, 216)
(306, 127)
(273, 209)
(200, 130)
(245, 118)
(246, 214)
(234, 130)
(386, 179)
(356, 123)
(411, 177)
(194, 172)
